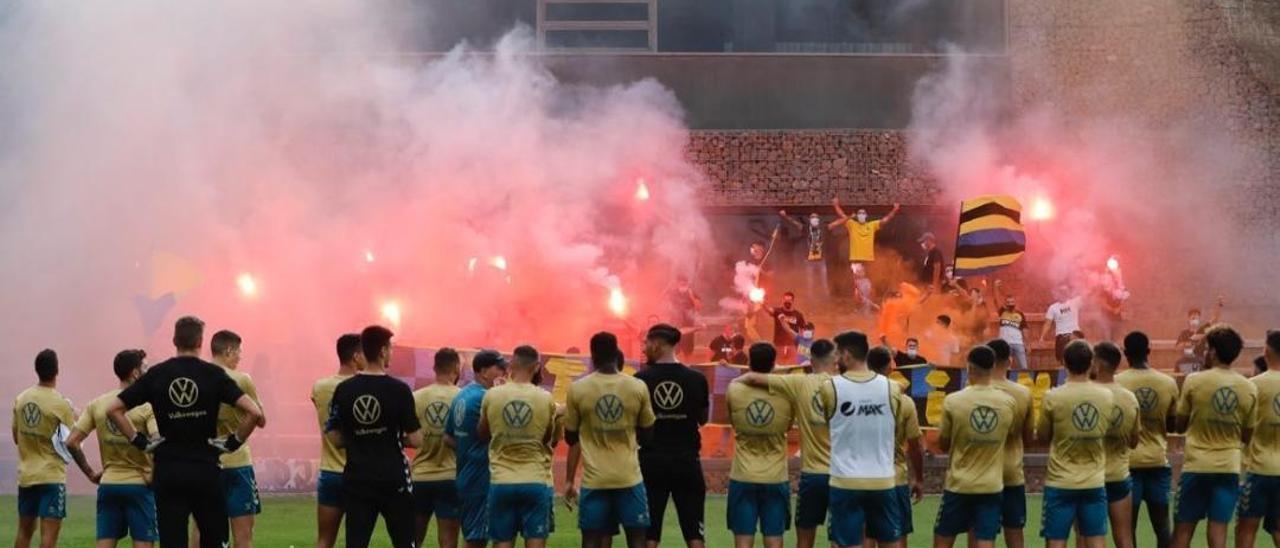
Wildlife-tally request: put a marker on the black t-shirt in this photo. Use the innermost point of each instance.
(680, 400)
(185, 393)
(931, 258)
(374, 412)
(902, 359)
(793, 318)
(721, 348)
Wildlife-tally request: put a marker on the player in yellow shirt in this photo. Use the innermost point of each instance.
(518, 419)
(1122, 436)
(977, 423)
(1149, 471)
(1013, 499)
(908, 452)
(862, 231)
(759, 493)
(1260, 500)
(39, 413)
(126, 505)
(815, 441)
(1073, 420)
(239, 485)
(332, 458)
(605, 413)
(1216, 411)
(435, 467)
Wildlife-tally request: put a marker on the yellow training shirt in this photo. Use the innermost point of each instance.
(978, 420)
(815, 437)
(37, 413)
(1075, 415)
(605, 411)
(520, 417)
(908, 428)
(1263, 454)
(1156, 393)
(1022, 416)
(1218, 404)
(122, 463)
(434, 461)
(760, 423)
(332, 459)
(862, 239)
(1122, 428)
(229, 421)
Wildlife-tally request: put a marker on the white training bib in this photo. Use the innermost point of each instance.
(862, 429)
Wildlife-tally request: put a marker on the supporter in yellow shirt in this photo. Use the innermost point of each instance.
(332, 458)
(862, 231)
(1122, 436)
(1013, 509)
(39, 413)
(1260, 501)
(1157, 393)
(434, 467)
(908, 452)
(759, 493)
(1216, 410)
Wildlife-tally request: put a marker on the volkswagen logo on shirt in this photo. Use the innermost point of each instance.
(668, 395)
(759, 413)
(609, 408)
(815, 405)
(31, 414)
(517, 414)
(112, 428)
(183, 392)
(1147, 398)
(983, 419)
(367, 409)
(1275, 405)
(459, 413)
(1085, 417)
(436, 413)
(1117, 417)
(1225, 401)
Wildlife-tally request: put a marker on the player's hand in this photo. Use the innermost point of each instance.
(917, 492)
(145, 444)
(147, 478)
(95, 477)
(782, 212)
(897, 206)
(570, 497)
(228, 444)
(999, 283)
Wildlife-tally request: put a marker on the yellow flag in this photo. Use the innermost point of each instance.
(565, 371)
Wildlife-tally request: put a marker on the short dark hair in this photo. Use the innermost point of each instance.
(821, 348)
(913, 340)
(1137, 347)
(738, 342)
(789, 294)
(188, 333)
(878, 360)
(854, 342)
(525, 353)
(47, 365)
(1078, 356)
(1225, 342)
(1001, 348)
(761, 357)
(1193, 311)
(982, 357)
(348, 345)
(944, 319)
(604, 349)
(664, 332)
(223, 341)
(1260, 364)
(1273, 340)
(1108, 353)
(447, 360)
(373, 339)
(128, 361)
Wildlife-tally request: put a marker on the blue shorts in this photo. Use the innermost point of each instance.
(1203, 495)
(766, 504)
(127, 510)
(44, 500)
(329, 489)
(603, 510)
(811, 500)
(1063, 507)
(1151, 485)
(241, 491)
(877, 511)
(473, 509)
(523, 508)
(1260, 499)
(436, 497)
(1118, 490)
(903, 492)
(962, 512)
(1013, 507)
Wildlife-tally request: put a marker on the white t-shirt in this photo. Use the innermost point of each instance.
(1065, 316)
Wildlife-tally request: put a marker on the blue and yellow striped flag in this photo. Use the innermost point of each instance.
(990, 235)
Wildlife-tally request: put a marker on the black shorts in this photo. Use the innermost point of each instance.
(188, 490)
(681, 481)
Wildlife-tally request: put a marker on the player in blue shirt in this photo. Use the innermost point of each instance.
(473, 453)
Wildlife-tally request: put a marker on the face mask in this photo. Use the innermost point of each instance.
(911, 352)
(862, 217)
(1195, 322)
(807, 334)
(813, 221)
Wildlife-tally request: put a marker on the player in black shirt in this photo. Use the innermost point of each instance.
(185, 392)
(372, 417)
(669, 459)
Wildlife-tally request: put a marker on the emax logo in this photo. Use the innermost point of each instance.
(862, 410)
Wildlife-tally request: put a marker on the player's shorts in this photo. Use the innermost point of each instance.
(473, 510)
(1013, 507)
(1063, 507)
(1260, 499)
(127, 509)
(329, 489)
(240, 488)
(603, 510)
(811, 500)
(765, 504)
(961, 512)
(1209, 495)
(1151, 485)
(852, 510)
(44, 500)
(519, 508)
(903, 494)
(439, 498)
(1118, 490)
(1060, 343)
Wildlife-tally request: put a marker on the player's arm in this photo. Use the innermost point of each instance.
(945, 430)
(915, 454)
(1182, 414)
(1029, 427)
(754, 379)
(892, 213)
(78, 434)
(841, 217)
(703, 411)
(791, 221)
(571, 471)
(251, 390)
(410, 428)
(115, 413)
(482, 427)
(333, 425)
(253, 417)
